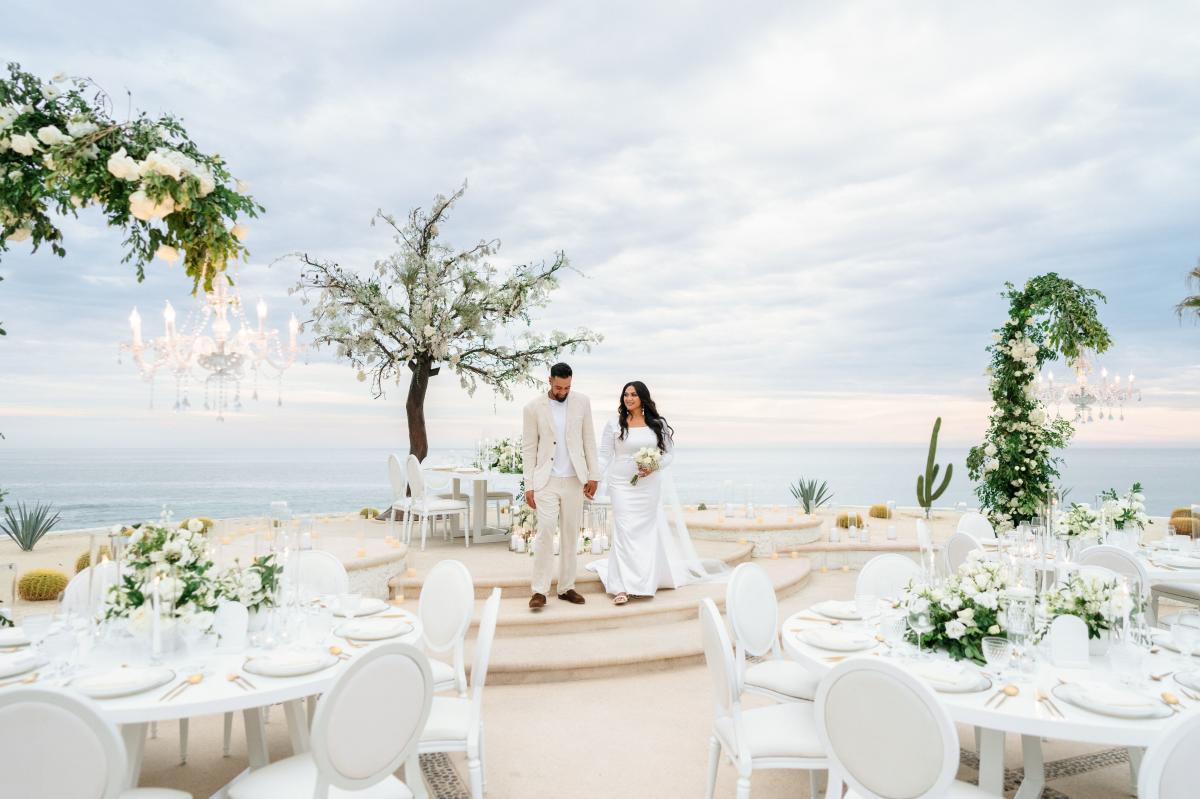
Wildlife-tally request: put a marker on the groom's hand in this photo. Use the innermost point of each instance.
(589, 490)
(529, 500)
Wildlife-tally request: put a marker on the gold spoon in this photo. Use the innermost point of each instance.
(194, 679)
(28, 679)
(1009, 690)
(1159, 677)
(337, 652)
(882, 640)
(1170, 700)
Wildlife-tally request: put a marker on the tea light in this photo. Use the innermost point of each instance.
(410, 573)
(743, 541)
(824, 569)
(361, 553)
(791, 519)
(774, 508)
(758, 520)
(845, 567)
(795, 554)
(774, 556)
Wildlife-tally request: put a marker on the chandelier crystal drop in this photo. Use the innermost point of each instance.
(206, 350)
(1090, 400)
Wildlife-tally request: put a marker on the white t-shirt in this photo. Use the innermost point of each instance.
(562, 457)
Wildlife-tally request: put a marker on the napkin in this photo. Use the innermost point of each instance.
(838, 609)
(837, 640)
(1104, 694)
(12, 636)
(118, 679)
(18, 662)
(940, 671)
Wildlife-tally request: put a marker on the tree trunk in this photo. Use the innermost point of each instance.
(418, 438)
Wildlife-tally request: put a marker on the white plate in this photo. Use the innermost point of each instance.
(837, 640)
(1163, 638)
(369, 606)
(1178, 561)
(290, 663)
(373, 629)
(122, 682)
(1188, 679)
(1111, 700)
(949, 677)
(845, 610)
(18, 663)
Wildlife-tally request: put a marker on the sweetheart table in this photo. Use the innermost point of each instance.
(1021, 714)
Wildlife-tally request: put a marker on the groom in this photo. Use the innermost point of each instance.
(561, 468)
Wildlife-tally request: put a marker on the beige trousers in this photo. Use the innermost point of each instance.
(559, 505)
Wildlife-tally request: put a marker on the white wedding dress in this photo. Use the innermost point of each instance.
(651, 547)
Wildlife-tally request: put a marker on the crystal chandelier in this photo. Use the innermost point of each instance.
(219, 358)
(1086, 397)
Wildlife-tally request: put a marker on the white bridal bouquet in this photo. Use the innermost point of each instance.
(647, 458)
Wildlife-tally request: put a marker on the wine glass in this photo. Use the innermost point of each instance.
(921, 623)
(1185, 634)
(998, 653)
(37, 627)
(867, 606)
(892, 628)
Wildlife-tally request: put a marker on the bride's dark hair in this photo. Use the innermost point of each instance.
(654, 420)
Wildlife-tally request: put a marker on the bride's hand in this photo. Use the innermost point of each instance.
(643, 471)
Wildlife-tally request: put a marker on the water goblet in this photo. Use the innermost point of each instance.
(867, 606)
(921, 623)
(998, 653)
(1127, 659)
(892, 629)
(1185, 634)
(37, 627)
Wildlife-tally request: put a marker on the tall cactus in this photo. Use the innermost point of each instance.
(925, 493)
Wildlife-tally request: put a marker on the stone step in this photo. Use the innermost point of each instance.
(599, 613)
(511, 572)
(545, 651)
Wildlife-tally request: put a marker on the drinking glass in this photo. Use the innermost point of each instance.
(892, 629)
(1127, 659)
(998, 653)
(37, 627)
(921, 623)
(867, 606)
(318, 625)
(1185, 634)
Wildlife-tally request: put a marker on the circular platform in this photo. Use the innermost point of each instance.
(771, 529)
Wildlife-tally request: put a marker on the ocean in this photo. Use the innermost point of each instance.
(94, 487)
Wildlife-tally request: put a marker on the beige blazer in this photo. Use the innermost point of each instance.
(538, 441)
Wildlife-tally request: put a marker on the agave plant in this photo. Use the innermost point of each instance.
(28, 525)
(1190, 304)
(811, 494)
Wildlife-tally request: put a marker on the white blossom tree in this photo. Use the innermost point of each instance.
(428, 307)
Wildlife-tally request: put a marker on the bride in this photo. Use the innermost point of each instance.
(648, 551)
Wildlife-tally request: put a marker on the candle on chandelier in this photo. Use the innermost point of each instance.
(135, 324)
(169, 319)
(293, 329)
(261, 307)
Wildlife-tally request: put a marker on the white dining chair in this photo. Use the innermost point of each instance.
(1183, 593)
(957, 550)
(426, 508)
(445, 607)
(976, 525)
(456, 723)
(776, 736)
(886, 576)
(366, 727)
(887, 735)
(320, 573)
(1123, 563)
(1168, 769)
(398, 479)
(753, 612)
(75, 595)
(55, 744)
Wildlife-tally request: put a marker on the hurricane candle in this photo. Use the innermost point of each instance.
(891, 532)
(93, 554)
(155, 621)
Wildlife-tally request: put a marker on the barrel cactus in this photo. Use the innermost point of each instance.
(1186, 525)
(85, 558)
(880, 512)
(206, 523)
(844, 519)
(1185, 513)
(369, 513)
(38, 585)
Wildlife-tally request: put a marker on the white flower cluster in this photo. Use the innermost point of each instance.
(1079, 521)
(1093, 599)
(1127, 511)
(169, 163)
(245, 586)
(505, 455)
(1022, 350)
(976, 586)
(172, 560)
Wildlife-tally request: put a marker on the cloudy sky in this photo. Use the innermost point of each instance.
(792, 220)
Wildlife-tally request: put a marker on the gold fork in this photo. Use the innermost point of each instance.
(194, 679)
(1046, 701)
(239, 681)
(28, 679)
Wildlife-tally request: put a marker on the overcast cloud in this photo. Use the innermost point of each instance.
(793, 221)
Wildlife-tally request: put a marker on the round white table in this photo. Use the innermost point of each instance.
(216, 695)
(1021, 714)
(480, 533)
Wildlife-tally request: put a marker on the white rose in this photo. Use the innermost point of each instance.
(135, 536)
(162, 162)
(207, 184)
(121, 165)
(955, 630)
(242, 187)
(21, 233)
(81, 127)
(145, 209)
(252, 582)
(987, 599)
(24, 144)
(167, 253)
(994, 629)
(919, 605)
(8, 115)
(240, 232)
(990, 450)
(50, 91)
(51, 135)
(953, 603)
(195, 525)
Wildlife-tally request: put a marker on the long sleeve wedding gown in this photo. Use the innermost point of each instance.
(649, 550)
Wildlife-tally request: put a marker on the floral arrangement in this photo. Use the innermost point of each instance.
(253, 586)
(504, 456)
(648, 459)
(524, 523)
(963, 610)
(1014, 465)
(1128, 510)
(1078, 521)
(177, 558)
(61, 150)
(1095, 600)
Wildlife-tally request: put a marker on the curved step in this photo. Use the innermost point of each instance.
(529, 652)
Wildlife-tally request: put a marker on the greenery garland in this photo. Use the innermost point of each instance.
(1015, 467)
(61, 150)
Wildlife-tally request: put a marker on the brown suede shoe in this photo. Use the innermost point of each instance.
(573, 596)
(537, 601)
